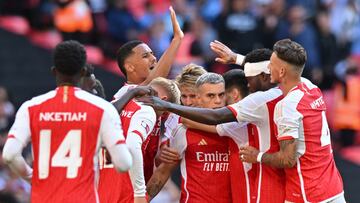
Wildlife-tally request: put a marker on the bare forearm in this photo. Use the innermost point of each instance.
(120, 103)
(203, 115)
(285, 158)
(163, 67)
(199, 126)
(158, 179)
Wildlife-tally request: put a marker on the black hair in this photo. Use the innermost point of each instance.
(235, 78)
(257, 55)
(69, 57)
(291, 52)
(125, 51)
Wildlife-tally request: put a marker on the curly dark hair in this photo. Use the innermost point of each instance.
(69, 57)
(257, 55)
(125, 51)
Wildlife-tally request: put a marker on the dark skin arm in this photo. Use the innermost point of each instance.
(285, 158)
(202, 115)
(159, 178)
(135, 92)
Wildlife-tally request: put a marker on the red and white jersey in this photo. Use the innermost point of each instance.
(171, 123)
(204, 166)
(301, 115)
(242, 175)
(258, 109)
(66, 127)
(138, 121)
(123, 90)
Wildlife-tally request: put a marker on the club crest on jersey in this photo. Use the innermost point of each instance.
(146, 126)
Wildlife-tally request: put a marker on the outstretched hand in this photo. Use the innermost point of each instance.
(225, 55)
(178, 33)
(154, 102)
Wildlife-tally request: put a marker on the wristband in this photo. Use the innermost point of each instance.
(239, 59)
(259, 156)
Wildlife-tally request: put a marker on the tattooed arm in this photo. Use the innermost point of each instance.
(285, 158)
(159, 178)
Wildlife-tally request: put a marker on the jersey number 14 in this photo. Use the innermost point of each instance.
(67, 155)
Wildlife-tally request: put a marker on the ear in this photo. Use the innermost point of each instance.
(129, 68)
(235, 93)
(164, 98)
(282, 71)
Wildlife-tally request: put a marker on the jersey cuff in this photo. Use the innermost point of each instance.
(232, 110)
(287, 137)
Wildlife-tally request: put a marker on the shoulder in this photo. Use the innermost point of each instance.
(96, 101)
(40, 99)
(123, 90)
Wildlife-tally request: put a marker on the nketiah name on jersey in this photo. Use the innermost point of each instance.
(62, 116)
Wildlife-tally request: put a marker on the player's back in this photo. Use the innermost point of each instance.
(315, 177)
(65, 126)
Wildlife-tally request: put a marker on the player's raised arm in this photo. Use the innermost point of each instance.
(162, 68)
(224, 54)
(202, 115)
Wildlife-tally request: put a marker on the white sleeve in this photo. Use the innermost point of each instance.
(239, 59)
(21, 127)
(12, 157)
(18, 138)
(250, 109)
(287, 119)
(178, 140)
(113, 138)
(141, 125)
(236, 131)
(170, 124)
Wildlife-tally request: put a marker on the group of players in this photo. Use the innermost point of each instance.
(253, 135)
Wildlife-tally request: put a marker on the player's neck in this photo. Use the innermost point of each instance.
(131, 79)
(289, 84)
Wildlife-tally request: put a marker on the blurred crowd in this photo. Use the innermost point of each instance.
(328, 29)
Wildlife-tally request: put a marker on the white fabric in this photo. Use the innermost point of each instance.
(254, 69)
(239, 59)
(234, 130)
(170, 124)
(254, 109)
(123, 90)
(287, 118)
(143, 122)
(178, 140)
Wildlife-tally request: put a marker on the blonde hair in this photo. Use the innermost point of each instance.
(189, 75)
(170, 87)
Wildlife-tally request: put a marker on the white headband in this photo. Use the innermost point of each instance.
(254, 69)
